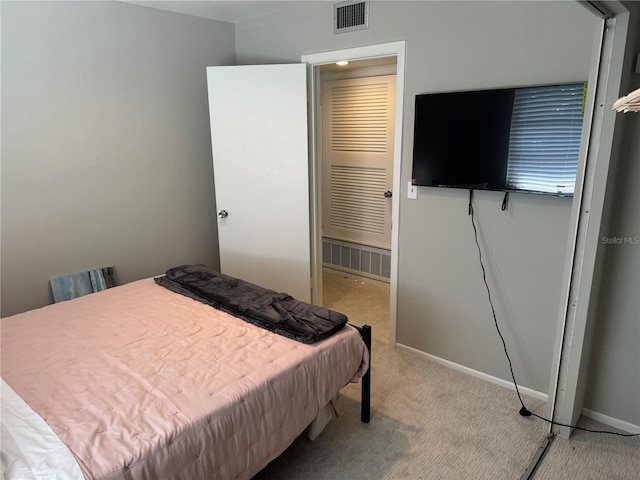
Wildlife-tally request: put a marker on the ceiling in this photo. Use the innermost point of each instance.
(225, 10)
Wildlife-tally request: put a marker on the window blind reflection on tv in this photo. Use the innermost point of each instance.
(516, 139)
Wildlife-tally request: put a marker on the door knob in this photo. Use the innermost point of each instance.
(223, 214)
(388, 194)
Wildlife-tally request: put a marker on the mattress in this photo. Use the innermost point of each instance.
(140, 382)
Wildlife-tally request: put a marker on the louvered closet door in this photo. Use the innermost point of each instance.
(357, 153)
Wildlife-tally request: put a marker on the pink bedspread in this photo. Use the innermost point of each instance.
(140, 382)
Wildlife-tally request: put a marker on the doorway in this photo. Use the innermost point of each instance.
(354, 291)
(356, 139)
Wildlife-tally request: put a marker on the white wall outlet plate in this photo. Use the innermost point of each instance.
(412, 191)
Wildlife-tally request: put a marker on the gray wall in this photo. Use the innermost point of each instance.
(614, 376)
(442, 302)
(106, 153)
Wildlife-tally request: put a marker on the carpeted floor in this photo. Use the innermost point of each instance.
(428, 422)
(432, 422)
(592, 456)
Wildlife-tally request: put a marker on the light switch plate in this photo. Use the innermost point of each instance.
(412, 192)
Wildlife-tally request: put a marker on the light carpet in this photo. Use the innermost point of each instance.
(428, 422)
(432, 422)
(592, 456)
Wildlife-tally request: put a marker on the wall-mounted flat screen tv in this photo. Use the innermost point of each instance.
(512, 139)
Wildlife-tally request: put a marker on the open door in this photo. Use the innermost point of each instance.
(259, 132)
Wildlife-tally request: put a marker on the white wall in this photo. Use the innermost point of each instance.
(106, 154)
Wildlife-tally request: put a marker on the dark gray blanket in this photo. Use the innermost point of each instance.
(277, 312)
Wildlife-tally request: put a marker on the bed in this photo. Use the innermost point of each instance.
(142, 382)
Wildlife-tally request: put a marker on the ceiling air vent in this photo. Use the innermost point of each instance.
(350, 16)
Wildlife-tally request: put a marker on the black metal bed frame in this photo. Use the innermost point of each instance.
(365, 405)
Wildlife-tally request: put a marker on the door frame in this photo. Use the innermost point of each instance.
(580, 287)
(314, 61)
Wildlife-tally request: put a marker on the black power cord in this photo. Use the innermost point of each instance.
(524, 411)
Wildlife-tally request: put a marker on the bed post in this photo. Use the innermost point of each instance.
(365, 408)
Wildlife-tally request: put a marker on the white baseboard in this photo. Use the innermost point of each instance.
(612, 422)
(599, 417)
(475, 373)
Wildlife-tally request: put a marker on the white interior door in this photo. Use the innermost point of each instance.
(260, 161)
